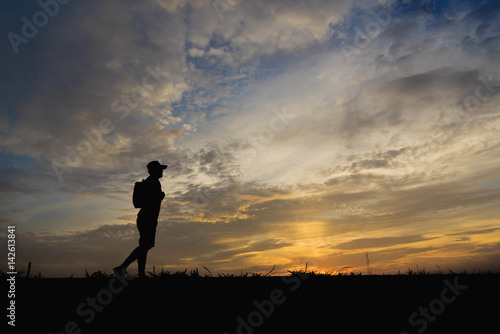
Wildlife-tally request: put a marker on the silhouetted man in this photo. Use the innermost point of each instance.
(147, 219)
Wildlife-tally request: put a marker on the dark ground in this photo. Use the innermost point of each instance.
(295, 304)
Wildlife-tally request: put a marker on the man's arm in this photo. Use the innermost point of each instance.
(161, 194)
(154, 192)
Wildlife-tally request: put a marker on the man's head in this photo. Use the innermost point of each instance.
(155, 169)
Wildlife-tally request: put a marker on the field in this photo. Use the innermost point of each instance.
(299, 302)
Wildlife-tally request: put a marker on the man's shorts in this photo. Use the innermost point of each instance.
(147, 232)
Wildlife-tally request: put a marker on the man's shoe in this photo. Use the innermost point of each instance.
(119, 271)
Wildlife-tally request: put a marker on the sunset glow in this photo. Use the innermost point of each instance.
(318, 132)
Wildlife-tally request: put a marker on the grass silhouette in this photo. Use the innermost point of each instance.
(204, 301)
(194, 273)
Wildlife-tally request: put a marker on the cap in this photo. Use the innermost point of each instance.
(155, 165)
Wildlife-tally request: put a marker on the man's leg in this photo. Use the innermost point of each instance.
(146, 242)
(131, 258)
(141, 260)
(140, 254)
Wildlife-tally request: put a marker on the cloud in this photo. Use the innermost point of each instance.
(49, 252)
(114, 64)
(472, 232)
(366, 243)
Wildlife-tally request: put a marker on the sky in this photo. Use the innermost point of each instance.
(295, 131)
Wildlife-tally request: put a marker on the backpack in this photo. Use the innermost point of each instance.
(139, 195)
